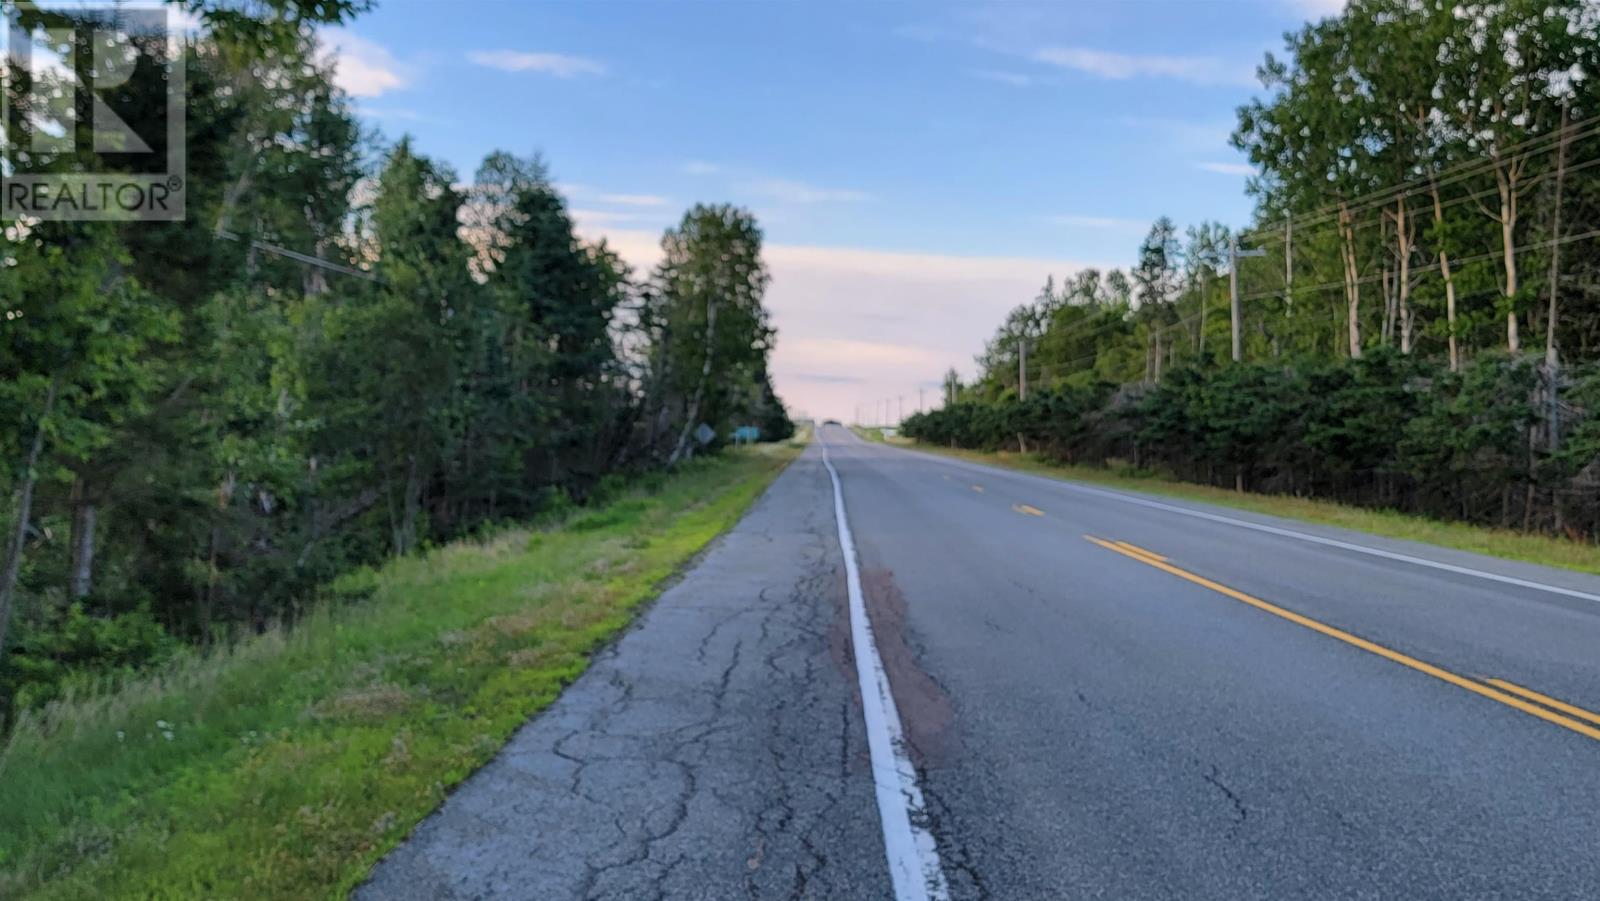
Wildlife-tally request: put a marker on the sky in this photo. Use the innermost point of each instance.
(918, 169)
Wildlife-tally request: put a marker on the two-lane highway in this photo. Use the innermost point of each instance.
(1141, 702)
(909, 676)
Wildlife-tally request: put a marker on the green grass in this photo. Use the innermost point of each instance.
(875, 433)
(286, 766)
(1503, 543)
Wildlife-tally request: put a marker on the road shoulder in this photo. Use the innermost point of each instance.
(715, 750)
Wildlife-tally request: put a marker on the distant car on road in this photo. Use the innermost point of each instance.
(830, 422)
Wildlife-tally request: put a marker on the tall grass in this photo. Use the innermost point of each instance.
(283, 767)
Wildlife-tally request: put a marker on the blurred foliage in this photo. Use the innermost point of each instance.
(221, 427)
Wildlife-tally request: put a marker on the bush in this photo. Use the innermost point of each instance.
(73, 646)
(1383, 431)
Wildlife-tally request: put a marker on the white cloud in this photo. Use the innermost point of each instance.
(392, 113)
(641, 206)
(1317, 9)
(1202, 136)
(1227, 168)
(632, 199)
(560, 65)
(589, 219)
(1015, 79)
(1121, 66)
(700, 167)
(789, 191)
(362, 68)
(1098, 222)
(859, 325)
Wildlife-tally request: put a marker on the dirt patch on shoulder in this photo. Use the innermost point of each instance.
(926, 712)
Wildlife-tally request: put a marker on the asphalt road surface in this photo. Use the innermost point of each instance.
(1093, 694)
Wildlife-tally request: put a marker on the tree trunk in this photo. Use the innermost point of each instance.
(1288, 269)
(411, 504)
(1404, 236)
(693, 413)
(1506, 183)
(24, 511)
(657, 420)
(207, 602)
(80, 571)
(1352, 287)
(1449, 282)
(1391, 308)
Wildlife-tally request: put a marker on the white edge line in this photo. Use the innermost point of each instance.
(913, 857)
(1274, 530)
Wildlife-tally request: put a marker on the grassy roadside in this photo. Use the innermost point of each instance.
(875, 434)
(287, 766)
(1493, 542)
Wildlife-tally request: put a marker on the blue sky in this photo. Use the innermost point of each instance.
(918, 168)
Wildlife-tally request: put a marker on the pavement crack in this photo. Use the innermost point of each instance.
(1214, 777)
(960, 871)
(716, 751)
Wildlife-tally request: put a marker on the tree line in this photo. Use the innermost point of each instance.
(342, 353)
(1419, 324)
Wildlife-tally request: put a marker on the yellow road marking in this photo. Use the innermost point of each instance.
(1141, 551)
(1028, 509)
(1362, 643)
(1546, 700)
(978, 488)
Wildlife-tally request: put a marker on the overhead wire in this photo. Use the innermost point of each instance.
(297, 256)
(1442, 178)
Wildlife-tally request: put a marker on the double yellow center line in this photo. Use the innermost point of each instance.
(1526, 700)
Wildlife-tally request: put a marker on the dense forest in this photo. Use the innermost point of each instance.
(342, 353)
(1414, 313)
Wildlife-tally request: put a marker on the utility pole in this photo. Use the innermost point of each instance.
(1234, 255)
(1288, 268)
(1555, 247)
(1552, 363)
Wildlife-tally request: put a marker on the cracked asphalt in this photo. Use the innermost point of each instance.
(715, 751)
(1084, 724)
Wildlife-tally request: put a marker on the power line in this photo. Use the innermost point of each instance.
(301, 257)
(1447, 175)
(1429, 267)
(1426, 211)
(1271, 238)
